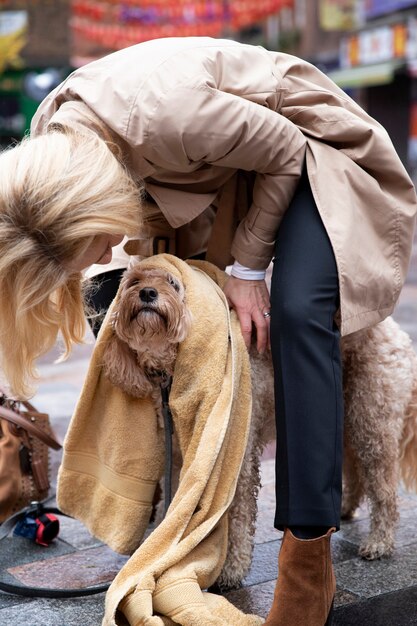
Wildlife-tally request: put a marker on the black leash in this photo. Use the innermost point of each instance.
(169, 430)
(38, 511)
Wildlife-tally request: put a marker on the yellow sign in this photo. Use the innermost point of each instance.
(339, 14)
(13, 32)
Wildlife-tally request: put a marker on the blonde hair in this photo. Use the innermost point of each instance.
(57, 192)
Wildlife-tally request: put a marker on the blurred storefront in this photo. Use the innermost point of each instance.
(100, 27)
(378, 66)
(13, 33)
(369, 48)
(34, 57)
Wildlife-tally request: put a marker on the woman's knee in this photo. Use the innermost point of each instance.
(299, 313)
(290, 314)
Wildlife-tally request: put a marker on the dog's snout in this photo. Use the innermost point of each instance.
(148, 294)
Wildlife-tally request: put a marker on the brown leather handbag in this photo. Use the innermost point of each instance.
(25, 438)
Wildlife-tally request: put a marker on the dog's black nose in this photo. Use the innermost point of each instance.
(148, 294)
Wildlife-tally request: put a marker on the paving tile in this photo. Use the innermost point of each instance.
(18, 550)
(265, 530)
(76, 534)
(42, 612)
(79, 569)
(256, 599)
(8, 600)
(393, 609)
(342, 550)
(264, 563)
(372, 578)
(343, 597)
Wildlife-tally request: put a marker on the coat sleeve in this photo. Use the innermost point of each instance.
(207, 126)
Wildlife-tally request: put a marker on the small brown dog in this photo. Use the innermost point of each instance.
(149, 322)
(380, 387)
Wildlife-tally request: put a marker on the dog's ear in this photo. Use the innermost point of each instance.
(184, 325)
(123, 370)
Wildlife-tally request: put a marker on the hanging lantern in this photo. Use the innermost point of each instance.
(114, 24)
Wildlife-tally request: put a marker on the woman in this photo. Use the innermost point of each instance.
(288, 167)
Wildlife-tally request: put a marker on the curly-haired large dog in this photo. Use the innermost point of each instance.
(380, 381)
(380, 391)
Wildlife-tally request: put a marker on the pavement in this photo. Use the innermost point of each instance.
(378, 593)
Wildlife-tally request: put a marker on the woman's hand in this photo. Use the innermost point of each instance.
(250, 300)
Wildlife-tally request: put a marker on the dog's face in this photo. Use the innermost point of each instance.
(151, 309)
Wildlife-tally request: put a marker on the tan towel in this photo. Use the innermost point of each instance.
(114, 457)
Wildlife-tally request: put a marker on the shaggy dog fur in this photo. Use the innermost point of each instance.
(380, 386)
(380, 390)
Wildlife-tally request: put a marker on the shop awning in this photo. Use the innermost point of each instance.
(367, 75)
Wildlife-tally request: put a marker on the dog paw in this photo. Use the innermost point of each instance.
(371, 550)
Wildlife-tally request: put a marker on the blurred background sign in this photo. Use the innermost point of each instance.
(374, 8)
(101, 27)
(340, 14)
(33, 59)
(13, 34)
(375, 45)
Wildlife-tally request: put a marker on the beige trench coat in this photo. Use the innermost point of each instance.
(189, 113)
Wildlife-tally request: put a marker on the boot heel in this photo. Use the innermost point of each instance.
(330, 617)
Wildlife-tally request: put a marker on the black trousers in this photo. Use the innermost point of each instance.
(305, 345)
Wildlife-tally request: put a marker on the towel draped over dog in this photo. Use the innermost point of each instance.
(114, 457)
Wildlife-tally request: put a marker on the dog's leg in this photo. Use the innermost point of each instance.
(243, 511)
(408, 445)
(380, 465)
(242, 521)
(373, 418)
(352, 481)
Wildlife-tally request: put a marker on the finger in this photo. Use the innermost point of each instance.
(245, 321)
(262, 331)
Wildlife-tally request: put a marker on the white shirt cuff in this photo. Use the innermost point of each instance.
(245, 273)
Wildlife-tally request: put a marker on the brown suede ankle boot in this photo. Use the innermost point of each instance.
(306, 583)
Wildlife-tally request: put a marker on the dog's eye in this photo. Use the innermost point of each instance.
(174, 284)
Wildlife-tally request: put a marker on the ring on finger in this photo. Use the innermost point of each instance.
(266, 314)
